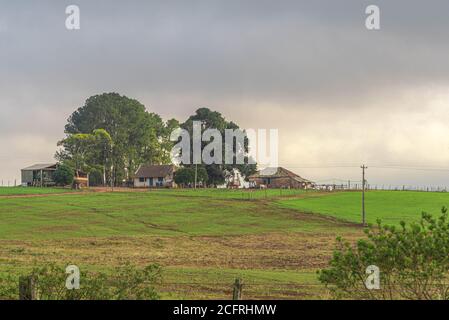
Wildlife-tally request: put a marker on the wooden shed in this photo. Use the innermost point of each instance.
(39, 175)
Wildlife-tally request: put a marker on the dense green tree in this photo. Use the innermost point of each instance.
(129, 135)
(216, 174)
(214, 120)
(102, 147)
(63, 176)
(114, 134)
(186, 176)
(87, 152)
(77, 150)
(166, 143)
(96, 178)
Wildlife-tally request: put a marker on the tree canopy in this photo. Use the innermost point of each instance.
(112, 135)
(214, 120)
(117, 134)
(186, 176)
(63, 175)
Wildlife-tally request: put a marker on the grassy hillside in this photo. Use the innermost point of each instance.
(144, 213)
(237, 194)
(389, 206)
(203, 239)
(12, 191)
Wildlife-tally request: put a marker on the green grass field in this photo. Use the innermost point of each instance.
(203, 238)
(142, 213)
(237, 194)
(13, 191)
(389, 206)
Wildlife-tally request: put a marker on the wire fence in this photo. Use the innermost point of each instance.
(384, 187)
(9, 183)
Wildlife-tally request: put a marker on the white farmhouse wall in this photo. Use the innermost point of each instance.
(146, 183)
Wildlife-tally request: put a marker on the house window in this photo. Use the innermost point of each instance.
(160, 179)
(141, 179)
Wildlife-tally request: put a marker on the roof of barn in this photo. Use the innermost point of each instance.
(41, 166)
(278, 172)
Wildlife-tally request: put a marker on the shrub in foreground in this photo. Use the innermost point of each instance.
(413, 261)
(123, 283)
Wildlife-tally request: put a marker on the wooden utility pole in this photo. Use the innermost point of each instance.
(196, 174)
(363, 194)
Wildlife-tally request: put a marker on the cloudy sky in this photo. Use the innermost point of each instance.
(339, 94)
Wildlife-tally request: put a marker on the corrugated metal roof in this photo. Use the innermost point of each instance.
(154, 171)
(42, 166)
(268, 171)
(278, 172)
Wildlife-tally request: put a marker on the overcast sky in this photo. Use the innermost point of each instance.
(339, 94)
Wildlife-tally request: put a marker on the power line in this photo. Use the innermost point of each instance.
(318, 167)
(398, 167)
(411, 168)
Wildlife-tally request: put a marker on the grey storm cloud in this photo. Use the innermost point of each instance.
(337, 92)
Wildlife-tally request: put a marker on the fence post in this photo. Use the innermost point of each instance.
(27, 288)
(237, 294)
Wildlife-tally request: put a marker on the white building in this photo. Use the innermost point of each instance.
(155, 176)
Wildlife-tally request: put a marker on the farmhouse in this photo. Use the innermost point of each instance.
(40, 175)
(155, 176)
(279, 178)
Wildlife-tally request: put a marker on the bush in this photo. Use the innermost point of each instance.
(63, 176)
(124, 283)
(413, 262)
(186, 176)
(95, 178)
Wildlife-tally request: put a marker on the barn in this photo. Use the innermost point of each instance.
(39, 175)
(279, 177)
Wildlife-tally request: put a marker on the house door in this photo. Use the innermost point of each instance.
(150, 182)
